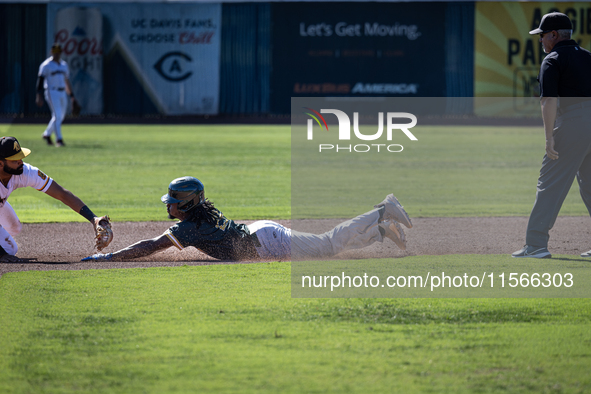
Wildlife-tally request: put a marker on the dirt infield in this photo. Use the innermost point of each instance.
(61, 246)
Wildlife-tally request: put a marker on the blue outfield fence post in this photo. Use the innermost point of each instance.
(245, 58)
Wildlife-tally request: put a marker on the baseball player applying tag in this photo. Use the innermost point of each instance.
(14, 174)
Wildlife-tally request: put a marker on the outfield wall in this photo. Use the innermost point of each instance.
(195, 58)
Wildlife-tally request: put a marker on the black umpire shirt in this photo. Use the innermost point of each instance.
(566, 72)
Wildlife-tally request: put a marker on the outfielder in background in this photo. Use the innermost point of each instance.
(207, 229)
(15, 174)
(54, 77)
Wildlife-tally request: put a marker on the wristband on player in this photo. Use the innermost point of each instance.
(87, 213)
(71, 95)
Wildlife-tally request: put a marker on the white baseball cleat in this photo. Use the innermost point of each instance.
(394, 232)
(394, 210)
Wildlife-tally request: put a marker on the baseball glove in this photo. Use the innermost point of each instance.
(103, 232)
(76, 108)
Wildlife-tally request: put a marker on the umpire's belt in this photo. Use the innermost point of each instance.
(59, 89)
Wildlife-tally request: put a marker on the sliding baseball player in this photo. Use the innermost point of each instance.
(204, 227)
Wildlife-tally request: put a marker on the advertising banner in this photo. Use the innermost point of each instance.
(358, 50)
(80, 32)
(171, 50)
(508, 58)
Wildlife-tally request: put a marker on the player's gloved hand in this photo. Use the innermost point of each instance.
(103, 232)
(99, 257)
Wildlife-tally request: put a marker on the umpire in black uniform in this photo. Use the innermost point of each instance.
(565, 96)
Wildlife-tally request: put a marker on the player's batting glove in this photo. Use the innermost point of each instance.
(99, 257)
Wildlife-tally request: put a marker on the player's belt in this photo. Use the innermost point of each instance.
(255, 240)
(59, 89)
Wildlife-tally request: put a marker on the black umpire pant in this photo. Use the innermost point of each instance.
(572, 141)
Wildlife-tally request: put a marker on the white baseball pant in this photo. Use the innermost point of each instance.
(280, 243)
(10, 226)
(57, 100)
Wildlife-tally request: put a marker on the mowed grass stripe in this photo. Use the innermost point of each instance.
(450, 171)
(235, 328)
(123, 170)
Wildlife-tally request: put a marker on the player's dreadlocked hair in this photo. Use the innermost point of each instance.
(205, 212)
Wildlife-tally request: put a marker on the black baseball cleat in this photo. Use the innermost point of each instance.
(47, 139)
(533, 251)
(60, 143)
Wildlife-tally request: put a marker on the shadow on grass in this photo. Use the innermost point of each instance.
(454, 311)
(35, 261)
(85, 146)
(579, 259)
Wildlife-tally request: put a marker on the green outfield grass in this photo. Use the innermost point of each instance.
(235, 328)
(123, 170)
(449, 171)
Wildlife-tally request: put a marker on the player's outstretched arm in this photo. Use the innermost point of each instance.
(138, 249)
(65, 196)
(102, 225)
(69, 199)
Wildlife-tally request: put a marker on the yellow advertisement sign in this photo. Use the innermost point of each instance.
(507, 58)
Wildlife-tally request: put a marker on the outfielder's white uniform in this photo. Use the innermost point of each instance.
(280, 243)
(54, 82)
(10, 225)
